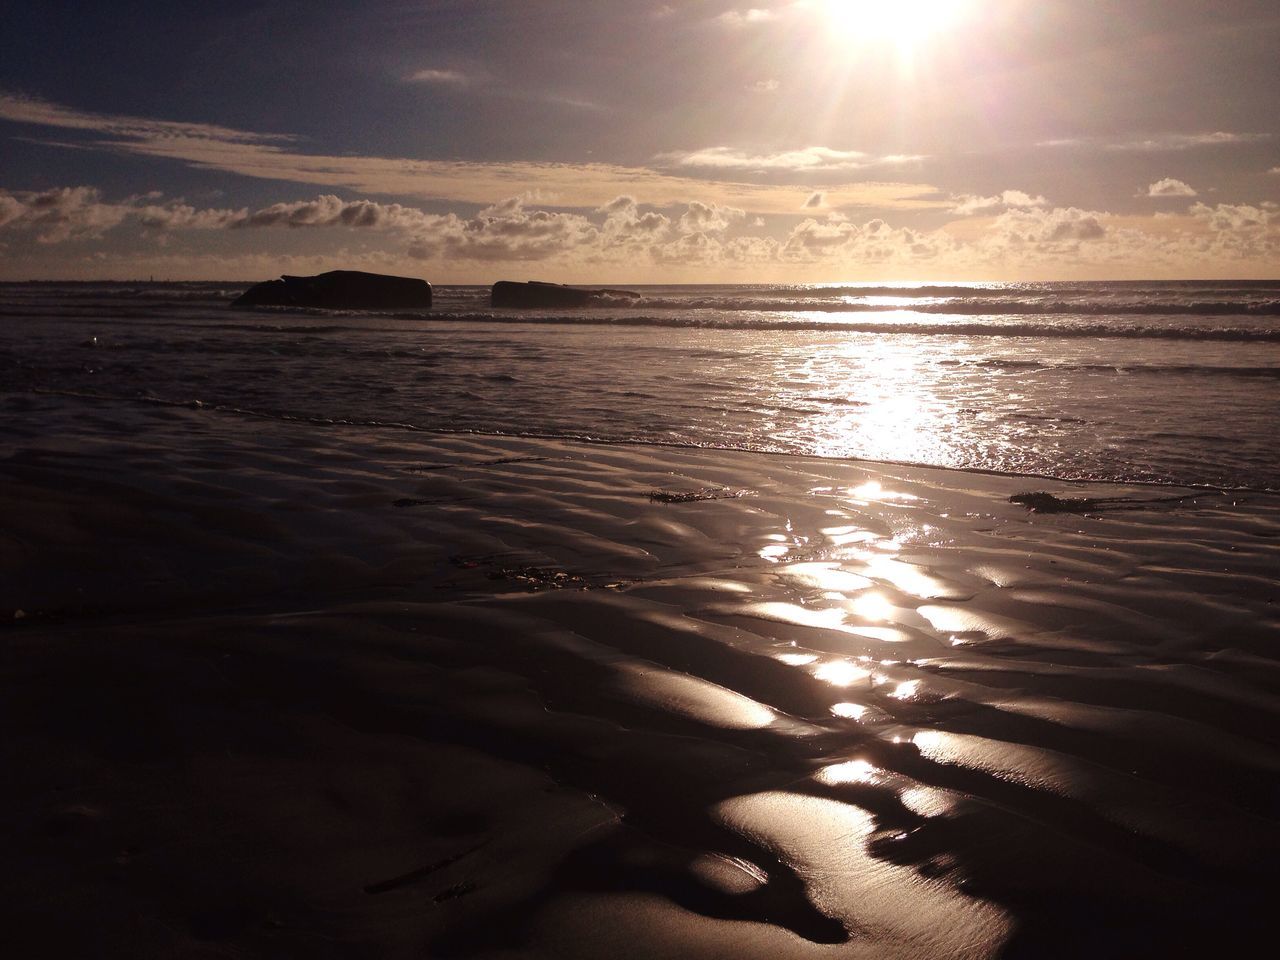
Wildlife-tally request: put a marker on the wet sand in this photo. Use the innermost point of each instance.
(287, 689)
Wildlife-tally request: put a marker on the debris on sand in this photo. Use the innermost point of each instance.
(1041, 502)
(706, 493)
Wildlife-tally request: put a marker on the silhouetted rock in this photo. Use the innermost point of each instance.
(535, 293)
(340, 290)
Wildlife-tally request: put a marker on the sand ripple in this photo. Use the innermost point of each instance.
(283, 684)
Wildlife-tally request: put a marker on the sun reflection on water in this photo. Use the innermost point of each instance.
(886, 403)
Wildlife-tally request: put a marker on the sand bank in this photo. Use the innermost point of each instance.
(280, 689)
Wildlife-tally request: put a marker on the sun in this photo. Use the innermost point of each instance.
(905, 23)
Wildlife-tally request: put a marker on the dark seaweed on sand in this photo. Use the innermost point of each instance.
(1042, 502)
(706, 493)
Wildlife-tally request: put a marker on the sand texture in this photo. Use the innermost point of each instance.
(291, 690)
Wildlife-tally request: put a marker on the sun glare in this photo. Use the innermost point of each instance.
(903, 22)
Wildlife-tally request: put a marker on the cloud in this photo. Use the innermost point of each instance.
(708, 217)
(1275, 170)
(1240, 231)
(625, 234)
(22, 109)
(815, 201)
(11, 208)
(620, 206)
(439, 77)
(576, 185)
(969, 204)
(1228, 217)
(510, 230)
(763, 86)
(181, 216)
(1157, 143)
(61, 214)
(1038, 226)
(872, 242)
(1168, 187)
(746, 18)
(807, 160)
(330, 211)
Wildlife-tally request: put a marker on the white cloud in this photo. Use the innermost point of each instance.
(623, 205)
(64, 213)
(872, 242)
(708, 217)
(1240, 231)
(1038, 226)
(623, 234)
(438, 76)
(11, 208)
(746, 18)
(970, 204)
(330, 211)
(181, 216)
(510, 230)
(1162, 142)
(1169, 187)
(807, 160)
(1231, 217)
(764, 86)
(23, 109)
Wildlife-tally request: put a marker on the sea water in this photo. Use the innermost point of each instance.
(1175, 382)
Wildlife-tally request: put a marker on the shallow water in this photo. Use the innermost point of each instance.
(1170, 382)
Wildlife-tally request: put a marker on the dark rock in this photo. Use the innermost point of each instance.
(340, 290)
(535, 293)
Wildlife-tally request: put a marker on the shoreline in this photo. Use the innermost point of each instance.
(284, 690)
(661, 444)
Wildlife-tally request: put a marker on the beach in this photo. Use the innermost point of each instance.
(787, 480)
(295, 688)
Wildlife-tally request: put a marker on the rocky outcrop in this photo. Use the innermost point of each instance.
(535, 293)
(340, 290)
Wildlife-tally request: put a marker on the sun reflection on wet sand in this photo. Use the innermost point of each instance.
(798, 659)
(840, 673)
(907, 690)
(850, 711)
(852, 771)
(873, 491)
(826, 842)
(872, 606)
(693, 698)
(826, 576)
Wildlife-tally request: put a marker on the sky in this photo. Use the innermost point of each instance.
(466, 141)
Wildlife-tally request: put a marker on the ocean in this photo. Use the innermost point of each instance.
(1166, 382)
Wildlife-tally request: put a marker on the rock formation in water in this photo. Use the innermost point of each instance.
(340, 290)
(535, 293)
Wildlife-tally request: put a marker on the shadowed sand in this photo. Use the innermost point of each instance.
(279, 689)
